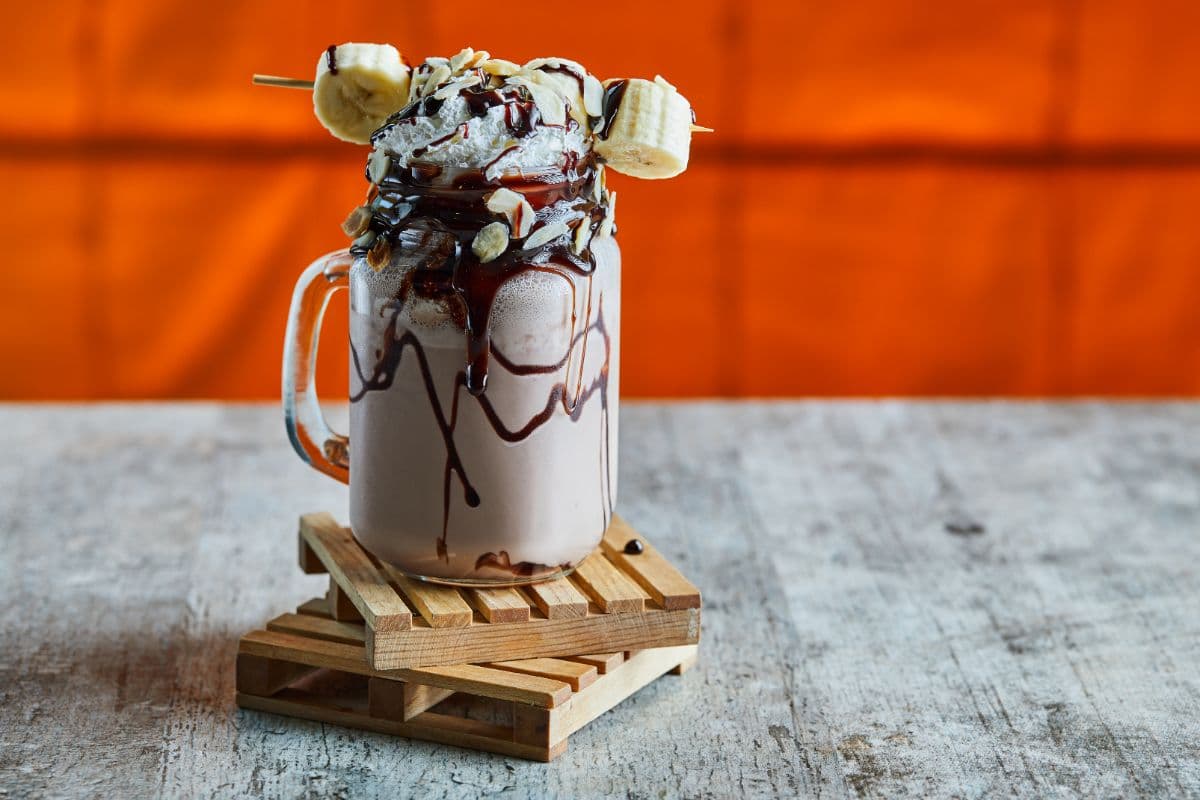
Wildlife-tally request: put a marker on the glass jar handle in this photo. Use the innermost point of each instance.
(311, 436)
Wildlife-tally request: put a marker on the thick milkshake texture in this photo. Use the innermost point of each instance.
(515, 484)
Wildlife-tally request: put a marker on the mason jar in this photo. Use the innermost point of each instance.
(483, 396)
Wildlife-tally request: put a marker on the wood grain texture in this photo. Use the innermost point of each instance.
(425, 645)
(353, 574)
(558, 599)
(440, 606)
(574, 673)
(608, 587)
(861, 639)
(654, 573)
(530, 689)
(500, 605)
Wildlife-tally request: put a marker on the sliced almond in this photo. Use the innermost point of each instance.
(545, 234)
(451, 89)
(490, 242)
(459, 60)
(551, 105)
(606, 225)
(583, 235)
(477, 59)
(498, 66)
(556, 63)
(378, 164)
(593, 96)
(356, 222)
(515, 208)
(380, 254)
(417, 85)
(436, 78)
(661, 81)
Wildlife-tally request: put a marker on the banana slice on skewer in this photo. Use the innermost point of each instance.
(649, 134)
(358, 86)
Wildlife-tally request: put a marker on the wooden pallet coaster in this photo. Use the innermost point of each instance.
(311, 666)
(613, 602)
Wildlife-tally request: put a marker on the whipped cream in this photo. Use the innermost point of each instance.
(452, 137)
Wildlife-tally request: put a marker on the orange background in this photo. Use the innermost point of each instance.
(930, 198)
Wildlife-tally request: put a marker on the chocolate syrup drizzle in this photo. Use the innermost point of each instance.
(612, 101)
(331, 58)
(416, 206)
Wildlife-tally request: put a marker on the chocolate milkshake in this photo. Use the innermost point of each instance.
(485, 310)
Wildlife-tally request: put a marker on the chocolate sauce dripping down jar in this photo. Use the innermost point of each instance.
(484, 410)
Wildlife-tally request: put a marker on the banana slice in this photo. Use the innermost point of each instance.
(358, 86)
(649, 135)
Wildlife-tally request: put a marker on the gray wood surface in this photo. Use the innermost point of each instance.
(946, 600)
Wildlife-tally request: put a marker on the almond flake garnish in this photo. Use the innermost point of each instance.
(437, 78)
(380, 254)
(356, 222)
(498, 66)
(459, 60)
(583, 234)
(477, 59)
(451, 89)
(545, 234)
(515, 208)
(606, 226)
(551, 105)
(378, 164)
(593, 96)
(490, 242)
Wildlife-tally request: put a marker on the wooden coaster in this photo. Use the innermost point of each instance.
(314, 667)
(612, 602)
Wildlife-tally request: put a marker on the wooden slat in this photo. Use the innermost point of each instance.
(366, 587)
(340, 606)
(686, 664)
(265, 676)
(402, 700)
(558, 599)
(419, 698)
(309, 563)
(532, 726)
(591, 702)
(440, 606)
(604, 662)
(614, 591)
(578, 675)
(318, 627)
(498, 684)
(428, 726)
(654, 573)
(500, 605)
(318, 606)
(596, 633)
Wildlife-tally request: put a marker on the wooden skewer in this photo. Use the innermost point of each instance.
(297, 83)
(286, 83)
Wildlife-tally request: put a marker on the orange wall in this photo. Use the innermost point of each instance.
(934, 198)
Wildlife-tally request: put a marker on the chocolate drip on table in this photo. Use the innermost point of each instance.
(444, 220)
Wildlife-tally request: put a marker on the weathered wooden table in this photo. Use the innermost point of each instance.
(917, 599)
